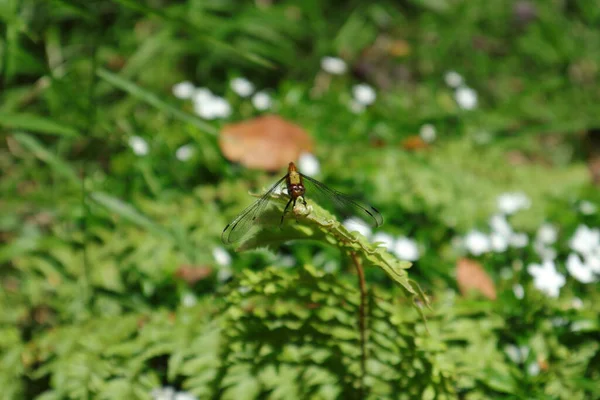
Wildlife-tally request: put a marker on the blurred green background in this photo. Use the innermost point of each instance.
(472, 126)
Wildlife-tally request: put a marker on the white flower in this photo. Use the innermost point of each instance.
(500, 225)
(364, 94)
(519, 291)
(593, 261)
(519, 240)
(308, 164)
(242, 86)
(185, 152)
(189, 300)
(356, 224)
(545, 252)
(510, 203)
(163, 393)
(533, 369)
(427, 133)
(453, 79)
(138, 145)
(223, 274)
(221, 256)
(546, 278)
(587, 208)
(577, 303)
(406, 249)
(585, 240)
(386, 240)
(477, 243)
(498, 242)
(333, 65)
(579, 270)
(209, 106)
(547, 234)
(202, 95)
(183, 90)
(356, 107)
(466, 98)
(261, 101)
(184, 396)
(517, 354)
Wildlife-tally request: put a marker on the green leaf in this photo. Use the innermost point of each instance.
(55, 162)
(154, 100)
(36, 123)
(129, 213)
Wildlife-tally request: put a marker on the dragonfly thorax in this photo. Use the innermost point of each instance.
(296, 190)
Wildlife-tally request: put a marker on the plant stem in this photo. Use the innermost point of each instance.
(361, 319)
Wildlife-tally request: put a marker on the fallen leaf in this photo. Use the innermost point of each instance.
(192, 274)
(470, 275)
(414, 143)
(267, 143)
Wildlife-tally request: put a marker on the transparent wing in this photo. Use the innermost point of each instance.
(341, 203)
(243, 224)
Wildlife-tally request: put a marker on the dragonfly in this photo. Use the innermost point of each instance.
(296, 186)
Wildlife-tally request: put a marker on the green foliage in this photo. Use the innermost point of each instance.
(93, 238)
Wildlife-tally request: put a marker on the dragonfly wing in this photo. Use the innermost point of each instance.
(242, 225)
(340, 202)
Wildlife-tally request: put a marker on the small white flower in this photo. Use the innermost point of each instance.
(386, 240)
(585, 240)
(577, 303)
(333, 65)
(477, 243)
(224, 274)
(593, 261)
(261, 101)
(453, 79)
(244, 289)
(545, 252)
(517, 354)
(163, 393)
(221, 256)
(587, 208)
(498, 242)
(466, 98)
(533, 369)
(189, 300)
(183, 90)
(356, 224)
(356, 107)
(579, 270)
(427, 133)
(364, 94)
(138, 145)
(546, 278)
(519, 240)
(519, 291)
(308, 164)
(406, 249)
(510, 203)
(184, 396)
(209, 106)
(547, 234)
(500, 225)
(185, 152)
(202, 95)
(242, 86)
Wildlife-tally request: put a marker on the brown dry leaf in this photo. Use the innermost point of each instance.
(470, 275)
(192, 274)
(414, 143)
(267, 143)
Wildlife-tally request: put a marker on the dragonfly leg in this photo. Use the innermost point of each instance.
(285, 210)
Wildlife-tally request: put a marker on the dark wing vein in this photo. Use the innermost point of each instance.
(341, 202)
(243, 223)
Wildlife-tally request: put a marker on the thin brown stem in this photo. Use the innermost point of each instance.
(362, 284)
